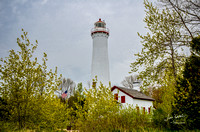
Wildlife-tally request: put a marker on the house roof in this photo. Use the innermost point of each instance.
(133, 93)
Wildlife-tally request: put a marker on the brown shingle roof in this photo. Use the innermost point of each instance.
(133, 93)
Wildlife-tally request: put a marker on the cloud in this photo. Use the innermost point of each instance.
(62, 29)
(44, 2)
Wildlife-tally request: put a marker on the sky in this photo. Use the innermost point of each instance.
(63, 28)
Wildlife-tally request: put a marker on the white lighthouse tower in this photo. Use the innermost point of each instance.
(100, 63)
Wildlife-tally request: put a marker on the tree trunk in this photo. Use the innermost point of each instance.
(172, 59)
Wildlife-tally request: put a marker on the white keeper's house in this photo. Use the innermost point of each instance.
(133, 97)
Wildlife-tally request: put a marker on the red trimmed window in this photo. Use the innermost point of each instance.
(116, 96)
(144, 110)
(149, 110)
(123, 99)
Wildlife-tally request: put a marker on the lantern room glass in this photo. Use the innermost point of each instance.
(101, 25)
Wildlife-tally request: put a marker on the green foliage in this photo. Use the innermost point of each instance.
(79, 90)
(4, 111)
(195, 46)
(164, 102)
(160, 46)
(188, 11)
(157, 94)
(161, 58)
(130, 119)
(76, 100)
(159, 117)
(187, 94)
(28, 88)
(101, 112)
(99, 108)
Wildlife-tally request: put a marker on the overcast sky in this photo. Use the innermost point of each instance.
(62, 28)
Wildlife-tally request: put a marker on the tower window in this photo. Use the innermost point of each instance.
(100, 25)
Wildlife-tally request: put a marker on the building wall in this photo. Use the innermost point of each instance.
(135, 102)
(128, 99)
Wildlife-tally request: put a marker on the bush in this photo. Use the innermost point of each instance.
(101, 112)
(129, 118)
(159, 118)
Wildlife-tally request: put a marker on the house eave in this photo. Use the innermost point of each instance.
(115, 87)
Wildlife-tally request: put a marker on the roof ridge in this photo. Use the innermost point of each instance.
(133, 93)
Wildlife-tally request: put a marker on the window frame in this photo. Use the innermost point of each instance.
(116, 96)
(123, 99)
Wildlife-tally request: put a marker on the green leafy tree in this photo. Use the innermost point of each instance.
(156, 93)
(99, 108)
(164, 101)
(160, 52)
(75, 101)
(188, 12)
(187, 95)
(161, 57)
(4, 111)
(28, 87)
(77, 97)
(171, 26)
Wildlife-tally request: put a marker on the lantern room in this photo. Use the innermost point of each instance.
(100, 24)
(100, 27)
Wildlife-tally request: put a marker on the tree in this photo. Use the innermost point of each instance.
(77, 97)
(75, 101)
(129, 81)
(162, 57)
(189, 16)
(99, 106)
(195, 47)
(4, 111)
(156, 93)
(66, 84)
(27, 87)
(187, 95)
(161, 47)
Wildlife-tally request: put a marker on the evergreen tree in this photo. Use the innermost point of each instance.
(187, 95)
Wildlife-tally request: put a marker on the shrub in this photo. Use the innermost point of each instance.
(101, 112)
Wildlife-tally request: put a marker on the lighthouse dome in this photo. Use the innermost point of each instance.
(100, 24)
(100, 27)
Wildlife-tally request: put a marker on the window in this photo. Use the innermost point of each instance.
(100, 25)
(138, 109)
(116, 96)
(149, 110)
(123, 99)
(144, 110)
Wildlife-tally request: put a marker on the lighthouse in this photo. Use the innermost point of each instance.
(100, 62)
